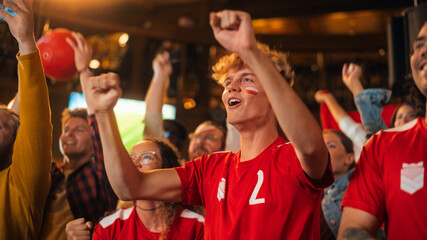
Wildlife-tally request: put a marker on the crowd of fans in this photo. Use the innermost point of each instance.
(365, 181)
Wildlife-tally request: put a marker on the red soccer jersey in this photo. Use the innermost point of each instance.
(389, 180)
(268, 197)
(125, 224)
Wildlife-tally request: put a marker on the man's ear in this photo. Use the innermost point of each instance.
(66, 160)
(60, 147)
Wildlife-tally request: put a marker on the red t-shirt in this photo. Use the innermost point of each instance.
(125, 224)
(389, 180)
(268, 197)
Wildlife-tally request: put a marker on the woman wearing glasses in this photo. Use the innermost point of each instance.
(152, 219)
(146, 219)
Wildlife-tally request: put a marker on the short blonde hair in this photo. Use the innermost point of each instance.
(232, 60)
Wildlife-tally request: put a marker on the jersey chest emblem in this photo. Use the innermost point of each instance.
(221, 189)
(412, 177)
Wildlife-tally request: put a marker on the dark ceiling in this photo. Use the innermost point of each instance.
(160, 18)
(319, 34)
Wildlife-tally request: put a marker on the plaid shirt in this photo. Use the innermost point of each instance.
(89, 193)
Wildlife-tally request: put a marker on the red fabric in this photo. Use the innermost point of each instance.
(268, 197)
(379, 186)
(328, 122)
(125, 224)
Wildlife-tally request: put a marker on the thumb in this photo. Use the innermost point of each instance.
(214, 22)
(71, 43)
(89, 225)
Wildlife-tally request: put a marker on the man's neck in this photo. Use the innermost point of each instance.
(255, 140)
(74, 162)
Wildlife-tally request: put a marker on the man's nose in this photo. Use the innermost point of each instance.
(233, 86)
(69, 133)
(424, 50)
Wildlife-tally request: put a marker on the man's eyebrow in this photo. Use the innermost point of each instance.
(247, 74)
(422, 38)
(240, 75)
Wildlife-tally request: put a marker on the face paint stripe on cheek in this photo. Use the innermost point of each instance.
(252, 90)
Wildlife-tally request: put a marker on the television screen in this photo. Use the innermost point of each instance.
(129, 115)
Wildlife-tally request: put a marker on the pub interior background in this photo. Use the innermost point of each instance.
(319, 36)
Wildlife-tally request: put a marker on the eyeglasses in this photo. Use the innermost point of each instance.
(144, 157)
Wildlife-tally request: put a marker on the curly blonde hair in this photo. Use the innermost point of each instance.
(232, 60)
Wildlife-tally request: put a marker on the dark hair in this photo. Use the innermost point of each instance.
(415, 94)
(393, 117)
(14, 121)
(167, 151)
(418, 98)
(345, 141)
(78, 112)
(176, 134)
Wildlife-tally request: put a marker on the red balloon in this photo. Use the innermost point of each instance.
(57, 55)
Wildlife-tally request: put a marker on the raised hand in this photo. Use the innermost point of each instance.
(102, 92)
(82, 51)
(233, 30)
(321, 96)
(21, 26)
(351, 74)
(78, 229)
(162, 66)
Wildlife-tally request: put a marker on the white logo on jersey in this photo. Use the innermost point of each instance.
(221, 189)
(412, 177)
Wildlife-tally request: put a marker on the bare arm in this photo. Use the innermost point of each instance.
(82, 57)
(156, 92)
(357, 224)
(102, 93)
(234, 31)
(336, 110)
(155, 95)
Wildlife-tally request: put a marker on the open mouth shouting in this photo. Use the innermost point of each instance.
(232, 102)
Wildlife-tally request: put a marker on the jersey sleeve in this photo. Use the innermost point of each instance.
(191, 182)
(292, 166)
(365, 190)
(200, 231)
(99, 233)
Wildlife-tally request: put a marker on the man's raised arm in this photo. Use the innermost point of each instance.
(233, 30)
